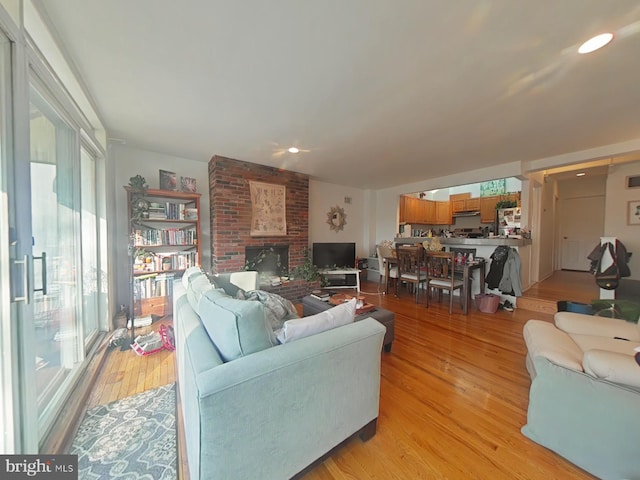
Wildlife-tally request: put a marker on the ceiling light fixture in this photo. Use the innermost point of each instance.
(293, 150)
(581, 174)
(595, 43)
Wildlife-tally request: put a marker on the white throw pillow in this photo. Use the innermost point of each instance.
(306, 326)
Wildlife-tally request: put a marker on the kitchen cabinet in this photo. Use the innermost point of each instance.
(417, 211)
(430, 211)
(410, 209)
(472, 204)
(443, 213)
(488, 209)
(458, 201)
(403, 209)
(464, 204)
(512, 197)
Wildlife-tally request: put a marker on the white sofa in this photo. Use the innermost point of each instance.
(584, 401)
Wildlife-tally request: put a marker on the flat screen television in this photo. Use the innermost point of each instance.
(327, 255)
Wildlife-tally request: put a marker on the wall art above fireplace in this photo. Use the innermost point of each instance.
(268, 209)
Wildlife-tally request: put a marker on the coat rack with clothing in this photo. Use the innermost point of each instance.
(609, 263)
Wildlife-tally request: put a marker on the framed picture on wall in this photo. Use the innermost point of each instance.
(168, 180)
(188, 184)
(493, 187)
(268, 209)
(633, 212)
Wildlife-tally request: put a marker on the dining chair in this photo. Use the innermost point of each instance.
(411, 268)
(441, 276)
(465, 253)
(384, 251)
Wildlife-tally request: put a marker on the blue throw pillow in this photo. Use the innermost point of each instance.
(236, 327)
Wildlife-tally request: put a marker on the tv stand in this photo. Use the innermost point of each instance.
(340, 277)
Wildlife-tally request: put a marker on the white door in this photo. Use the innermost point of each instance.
(581, 226)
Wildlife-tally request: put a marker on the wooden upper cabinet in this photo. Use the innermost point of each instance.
(488, 209)
(403, 209)
(424, 212)
(458, 205)
(514, 197)
(431, 212)
(458, 201)
(409, 209)
(472, 203)
(443, 213)
(462, 202)
(459, 196)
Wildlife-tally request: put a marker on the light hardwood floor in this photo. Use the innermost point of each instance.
(454, 393)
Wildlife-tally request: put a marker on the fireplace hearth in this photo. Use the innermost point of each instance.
(270, 261)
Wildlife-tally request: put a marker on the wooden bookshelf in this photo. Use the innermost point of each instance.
(164, 240)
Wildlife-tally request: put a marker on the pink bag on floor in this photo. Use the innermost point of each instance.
(487, 302)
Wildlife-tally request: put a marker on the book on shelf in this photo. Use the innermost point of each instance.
(190, 214)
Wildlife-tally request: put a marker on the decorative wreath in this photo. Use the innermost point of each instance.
(336, 218)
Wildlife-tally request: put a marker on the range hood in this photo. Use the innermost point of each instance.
(470, 213)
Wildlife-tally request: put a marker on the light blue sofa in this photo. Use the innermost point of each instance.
(272, 413)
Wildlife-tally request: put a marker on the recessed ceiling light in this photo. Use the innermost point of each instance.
(581, 174)
(595, 43)
(293, 150)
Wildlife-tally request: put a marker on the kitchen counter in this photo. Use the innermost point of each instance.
(488, 242)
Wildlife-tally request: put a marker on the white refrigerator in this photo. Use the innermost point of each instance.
(508, 221)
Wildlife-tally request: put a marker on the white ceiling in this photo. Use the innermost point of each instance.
(376, 93)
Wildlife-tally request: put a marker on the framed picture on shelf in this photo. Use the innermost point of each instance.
(168, 180)
(188, 184)
(633, 212)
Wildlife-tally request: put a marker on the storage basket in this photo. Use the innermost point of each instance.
(487, 302)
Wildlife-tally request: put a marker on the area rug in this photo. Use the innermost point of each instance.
(132, 438)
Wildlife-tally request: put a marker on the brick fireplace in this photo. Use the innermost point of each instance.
(230, 203)
(268, 260)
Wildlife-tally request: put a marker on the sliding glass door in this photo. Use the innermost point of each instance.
(57, 272)
(57, 292)
(9, 373)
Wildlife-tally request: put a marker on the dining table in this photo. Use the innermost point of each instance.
(466, 268)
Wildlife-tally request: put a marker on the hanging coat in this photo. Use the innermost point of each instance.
(511, 282)
(622, 258)
(498, 260)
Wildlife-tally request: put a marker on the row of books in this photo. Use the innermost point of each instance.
(168, 236)
(153, 285)
(168, 261)
(172, 211)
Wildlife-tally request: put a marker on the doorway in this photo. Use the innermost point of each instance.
(581, 224)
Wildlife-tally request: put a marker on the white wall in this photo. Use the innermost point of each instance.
(615, 220)
(324, 196)
(130, 161)
(546, 235)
